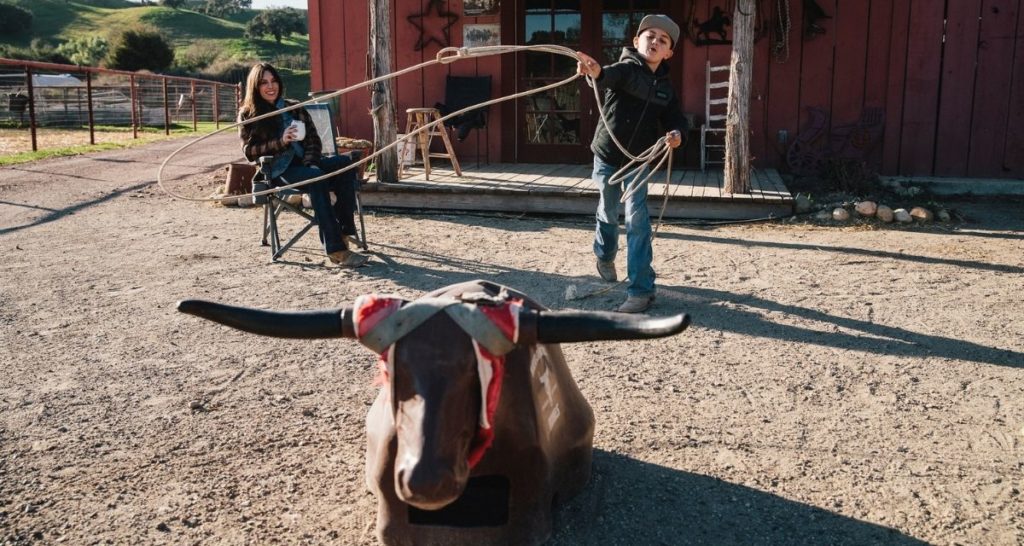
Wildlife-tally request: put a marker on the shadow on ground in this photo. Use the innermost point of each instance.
(633, 502)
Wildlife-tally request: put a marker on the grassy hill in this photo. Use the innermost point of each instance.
(55, 21)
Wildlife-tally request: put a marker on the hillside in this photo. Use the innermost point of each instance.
(56, 21)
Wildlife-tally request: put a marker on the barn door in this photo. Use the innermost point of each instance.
(556, 126)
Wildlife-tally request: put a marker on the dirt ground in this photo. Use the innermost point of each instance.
(838, 385)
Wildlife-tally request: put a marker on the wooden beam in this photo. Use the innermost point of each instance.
(382, 95)
(737, 123)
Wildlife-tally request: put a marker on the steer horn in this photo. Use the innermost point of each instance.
(546, 326)
(570, 326)
(326, 323)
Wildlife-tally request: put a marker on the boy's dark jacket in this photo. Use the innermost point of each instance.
(640, 107)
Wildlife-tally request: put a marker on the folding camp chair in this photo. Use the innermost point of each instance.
(293, 200)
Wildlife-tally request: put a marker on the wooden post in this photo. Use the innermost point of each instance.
(31, 108)
(737, 122)
(216, 105)
(135, 127)
(192, 98)
(167, 109)
(88, 98)
(382, 95)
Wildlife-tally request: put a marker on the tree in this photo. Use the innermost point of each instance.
(85, 50)
(277, 22)
(220, 8)
(173, 4)
(14, 19)
(140, 48)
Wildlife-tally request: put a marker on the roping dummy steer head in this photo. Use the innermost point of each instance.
(479, 429)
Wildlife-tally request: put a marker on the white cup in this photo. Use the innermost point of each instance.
(300, 132)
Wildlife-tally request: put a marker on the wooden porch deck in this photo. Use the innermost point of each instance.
(567, 189)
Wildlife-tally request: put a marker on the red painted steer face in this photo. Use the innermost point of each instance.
(435, 397)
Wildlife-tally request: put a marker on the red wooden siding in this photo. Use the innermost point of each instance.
(949, 75)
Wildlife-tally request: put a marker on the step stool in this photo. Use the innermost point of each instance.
(420, 117)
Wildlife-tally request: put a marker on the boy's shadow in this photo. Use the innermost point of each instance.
(633, 502)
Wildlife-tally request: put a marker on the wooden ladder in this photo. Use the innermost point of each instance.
(716, 104)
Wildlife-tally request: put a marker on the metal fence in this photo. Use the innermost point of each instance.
(40, 99)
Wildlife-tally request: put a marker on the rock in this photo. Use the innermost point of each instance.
(840, 214)
(802, 203)
(571, 293)
(942, 215)
(902, 216)
(884, 213)
(866, 208)
(823, 216)
(921, 214)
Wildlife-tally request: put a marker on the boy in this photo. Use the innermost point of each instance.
(638, 97)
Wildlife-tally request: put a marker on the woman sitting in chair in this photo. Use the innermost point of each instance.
(297, 158)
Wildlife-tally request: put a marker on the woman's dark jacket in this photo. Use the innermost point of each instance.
(640, 107)
(264, 137)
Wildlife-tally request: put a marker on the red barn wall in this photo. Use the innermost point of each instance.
(948, 75)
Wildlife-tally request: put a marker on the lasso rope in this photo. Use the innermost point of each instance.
(446, 55)
(660, 151)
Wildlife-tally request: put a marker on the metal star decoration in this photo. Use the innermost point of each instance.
(416, 20)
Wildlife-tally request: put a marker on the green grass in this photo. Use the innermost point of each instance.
(26, 157)
(146, 136)
(56, 21)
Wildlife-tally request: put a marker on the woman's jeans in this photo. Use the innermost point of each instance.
(638, 228)
(332, 220)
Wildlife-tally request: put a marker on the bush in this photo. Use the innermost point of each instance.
(140, 48)
(294, 62)
(198, 56)
(228, 70)
(15, 19)
(85, 50)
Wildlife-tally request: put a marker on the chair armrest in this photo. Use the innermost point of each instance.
(261, 182)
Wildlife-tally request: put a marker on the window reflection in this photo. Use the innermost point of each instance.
(552, 117)
(618, 25)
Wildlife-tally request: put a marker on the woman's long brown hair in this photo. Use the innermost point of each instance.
(253, 104)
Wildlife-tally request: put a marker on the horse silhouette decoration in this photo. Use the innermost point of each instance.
(479, 429)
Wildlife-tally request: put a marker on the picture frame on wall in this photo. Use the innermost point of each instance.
(481, 7)
(477, 35)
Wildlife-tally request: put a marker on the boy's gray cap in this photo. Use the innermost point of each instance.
(660, 22)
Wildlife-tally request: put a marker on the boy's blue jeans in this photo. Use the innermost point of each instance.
(332, 220)
(638, 228)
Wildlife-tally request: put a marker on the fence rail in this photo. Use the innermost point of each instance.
(41, 97)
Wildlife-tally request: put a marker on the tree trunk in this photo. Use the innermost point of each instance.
(737, 123)
(382, 95)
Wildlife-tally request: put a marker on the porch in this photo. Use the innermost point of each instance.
(567, 189)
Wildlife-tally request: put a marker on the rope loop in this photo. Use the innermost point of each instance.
(448, 55)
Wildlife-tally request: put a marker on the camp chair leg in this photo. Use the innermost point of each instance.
(362, 224)
(292, 241)
(266, 225)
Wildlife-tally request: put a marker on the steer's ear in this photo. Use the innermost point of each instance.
(327, 323)
(570, 326)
